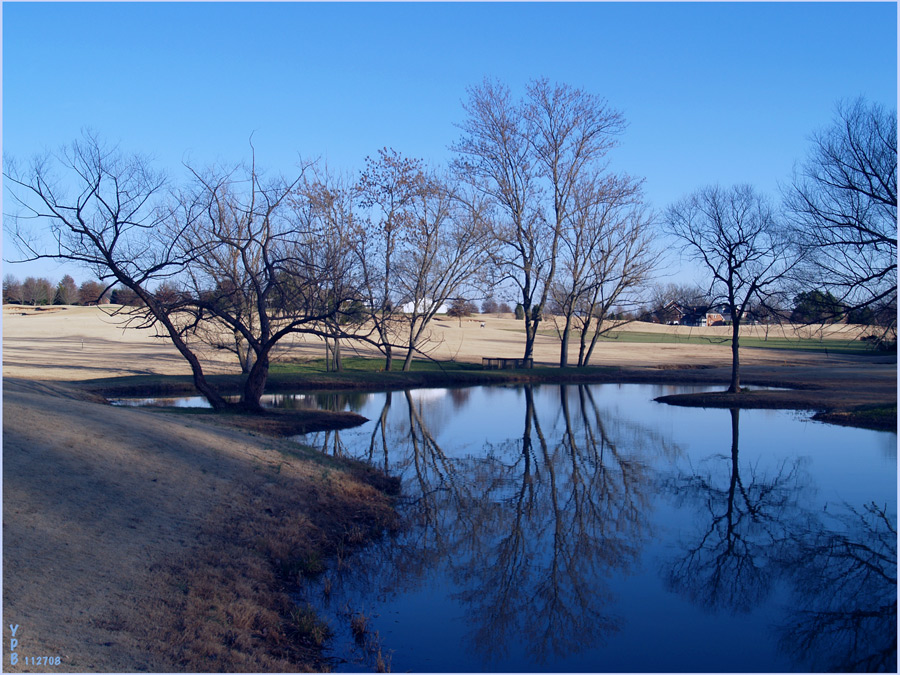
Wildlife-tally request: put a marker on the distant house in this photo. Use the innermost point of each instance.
(423, 306)
(671, 315)
(719, 315)
(701, 315)
(694, 317)
(714, 318)
(674, 314)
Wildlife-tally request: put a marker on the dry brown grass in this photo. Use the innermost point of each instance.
(235, 612)
(158, 542)
(77, 343)
(368, 641)
(359, 626)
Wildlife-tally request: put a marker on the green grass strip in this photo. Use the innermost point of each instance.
(805, 344)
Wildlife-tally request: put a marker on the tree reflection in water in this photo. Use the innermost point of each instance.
(529, 529)
(842, 569)
(568, 518)
(328, 442)
(743, 521)
(844, 573)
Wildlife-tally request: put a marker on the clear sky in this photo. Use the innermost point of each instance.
(712, 92)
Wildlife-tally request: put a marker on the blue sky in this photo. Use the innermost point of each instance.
(712, 92)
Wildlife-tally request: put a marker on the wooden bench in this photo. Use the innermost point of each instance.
(505, 364)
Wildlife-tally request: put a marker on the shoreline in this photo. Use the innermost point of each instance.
(845, 397)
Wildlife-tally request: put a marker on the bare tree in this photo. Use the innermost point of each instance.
(214, 230)
(110, 224)
(92, 293)
(844, 203)
(495, 156)
(489, 305)
(572, 131)
(387, 189)
(221, 257)
(258, 271)
(605, 255)
(627, 263)
(120, 295)
(442, 249)
(66, 291)
(527, 158)
(735, 235)
(326, 207)
(12, 290)
(37, 291)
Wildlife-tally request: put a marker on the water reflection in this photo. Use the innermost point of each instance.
(531, 536)
(844, 574)
(531, 529)
(563, 515)
(743, 520)
(292, 401)
(756, 529)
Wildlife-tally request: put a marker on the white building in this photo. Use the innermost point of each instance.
(423, 306)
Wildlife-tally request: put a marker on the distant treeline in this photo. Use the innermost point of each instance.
(41, 291)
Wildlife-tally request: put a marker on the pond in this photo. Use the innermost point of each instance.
(587, 528)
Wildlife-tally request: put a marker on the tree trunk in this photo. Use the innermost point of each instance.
(594, 338)
(735, 387)
(244, 353)
(530, 330)
(732, 488)
(407, 362)
(200, 383)
(532, 320)
(529, 414)
(582, 341)
(564, 348)
(388, 358)
(333, 351)
(255, 384)
(336, 351)
(382, 427)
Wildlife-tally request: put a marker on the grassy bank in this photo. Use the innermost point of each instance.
(174, 541)
(877, 417)
(231, 598)
(880, 418)
(367, 375)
